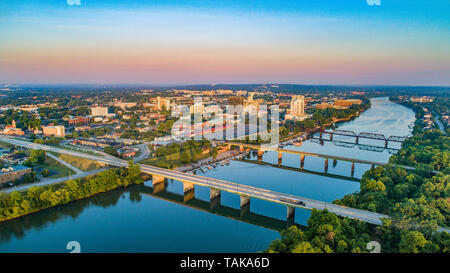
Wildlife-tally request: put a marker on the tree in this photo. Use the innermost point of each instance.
(45, 172)
(110, 150)
(412, 242)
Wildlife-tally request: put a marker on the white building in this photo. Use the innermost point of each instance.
(99, 111)
(297, 110)
(163, 103)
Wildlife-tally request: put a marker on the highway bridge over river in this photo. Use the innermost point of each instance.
(216, 186)
(263, 148)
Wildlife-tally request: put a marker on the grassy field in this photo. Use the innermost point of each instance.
(170, 161)
(56, 169)
(83, 164)
(5, 145)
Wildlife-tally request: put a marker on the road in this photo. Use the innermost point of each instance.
(49, 181)
(145, 152)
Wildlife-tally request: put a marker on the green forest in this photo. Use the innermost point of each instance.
(416, 201)
(36, 198)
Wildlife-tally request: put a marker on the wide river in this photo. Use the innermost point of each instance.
(136, 220)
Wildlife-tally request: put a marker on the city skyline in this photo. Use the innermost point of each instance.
(193, 42)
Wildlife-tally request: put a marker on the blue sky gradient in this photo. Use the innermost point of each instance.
(183, 42)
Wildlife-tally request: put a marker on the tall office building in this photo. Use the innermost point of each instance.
(298, 106)
(163, 103)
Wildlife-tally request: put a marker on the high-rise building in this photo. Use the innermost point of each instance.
(297, 111)
(298, 106)
(198, 107)
(163, 103)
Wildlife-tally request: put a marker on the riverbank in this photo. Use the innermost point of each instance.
(17, 204)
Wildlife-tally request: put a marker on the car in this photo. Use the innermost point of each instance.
(293, 201)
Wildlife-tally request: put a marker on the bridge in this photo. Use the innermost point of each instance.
(214, 207)
(363, 135)
(366, 147)
(216, 186)
(261, 149)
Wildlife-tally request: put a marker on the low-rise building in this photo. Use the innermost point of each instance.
(58, 131)
(343, 104)
(17, 158)
(13, 173)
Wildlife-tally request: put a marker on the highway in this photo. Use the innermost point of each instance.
(272, 196)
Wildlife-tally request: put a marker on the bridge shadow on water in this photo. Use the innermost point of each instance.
(19, 227)
(244, 214)
(337, 176)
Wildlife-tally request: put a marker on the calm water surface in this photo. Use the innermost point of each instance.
(135, 220)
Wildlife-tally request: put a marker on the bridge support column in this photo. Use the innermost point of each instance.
(357, 140)
(386, 143)
(353, 169)
(326, 165)
(320, 135)
(331, 137)
(302, 162)
(157, 179)
(188, 186)
(334, 163)
(188, 190)
(372, 166)
(280, 158)
(158, 183)
(290, 213)
(214, 196)
(245, 201)
(260, 155)
(213, 193)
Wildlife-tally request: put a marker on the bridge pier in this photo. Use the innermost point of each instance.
(302, 161)
(320, 135)
(357, 140)
(331, 137)
(245, 200)
(245, 205)
(372, 166)
(326, 165)
(158, 183)
(157, 179)
(260, 155)
(290, 213)
(213, 193)
(159, 187)
(214, 197)
(386, 143)
(353, 169)
(334, 162)
(280, 158)
(189, 191)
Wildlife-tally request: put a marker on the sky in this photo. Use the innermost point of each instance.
(342, 42)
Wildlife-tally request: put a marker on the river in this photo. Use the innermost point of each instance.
(136, 220)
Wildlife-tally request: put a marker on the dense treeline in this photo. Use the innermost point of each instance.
(417, 203)
(37, 198)
(328, 233)
(321, 118)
